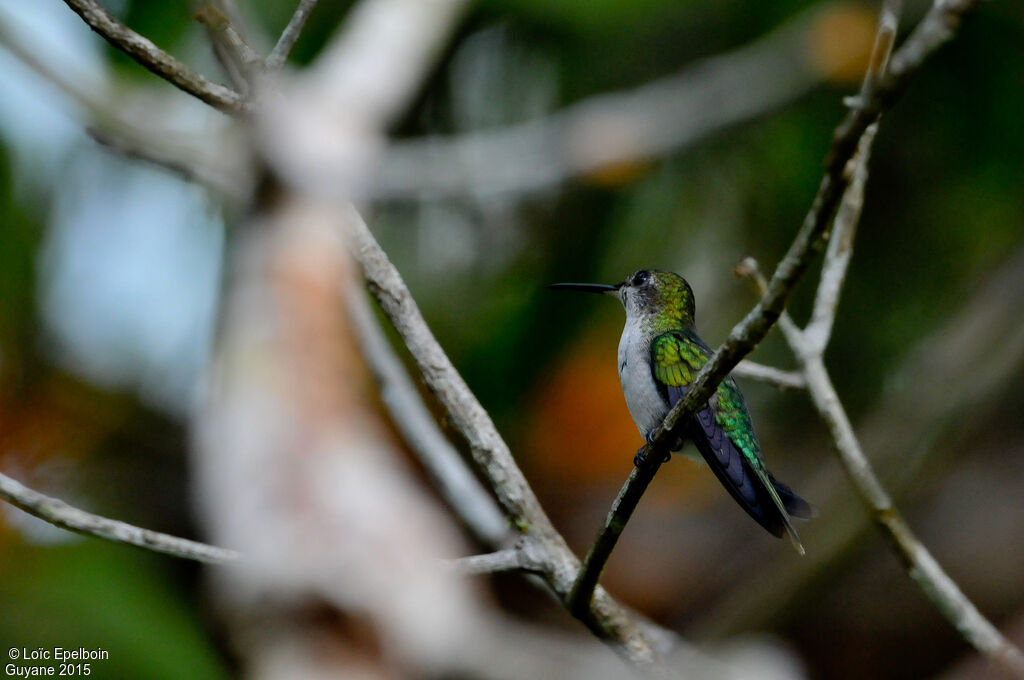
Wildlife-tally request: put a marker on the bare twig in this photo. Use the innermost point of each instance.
(839, 250)
(622, 509)
(935, 29)
(230, 39)
(749, 268)
(279, 55)
(505, 560)
(256, 39)
(784, 380)
(60, 514)
(155, 59)
(922, 567)
(224, 34)
(451, 477)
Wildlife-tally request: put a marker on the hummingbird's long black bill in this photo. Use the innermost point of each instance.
(585, 287)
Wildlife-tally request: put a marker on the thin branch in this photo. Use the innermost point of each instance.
(60, 514)
(279, 55)
(464, 412)
(452, 479)
(234, 48)
(498, 562)
(143, 51)
(622, 508)
(922, 567)
(224, 35)
(257, 39)
(784, 380)
(839, 250)
(935, 29)
(750, 269)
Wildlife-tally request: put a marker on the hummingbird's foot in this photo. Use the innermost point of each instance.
(650, 442)
(640, 459)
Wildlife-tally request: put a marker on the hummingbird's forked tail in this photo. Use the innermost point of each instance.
(747, 480)
(786, 503)
(795, 506)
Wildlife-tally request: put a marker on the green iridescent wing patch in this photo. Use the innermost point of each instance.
(676, 359)
(724, 434)
(732, 416)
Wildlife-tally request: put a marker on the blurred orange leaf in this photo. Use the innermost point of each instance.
(840, 42)
(579, 428)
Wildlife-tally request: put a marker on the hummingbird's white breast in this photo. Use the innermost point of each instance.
(645, 403)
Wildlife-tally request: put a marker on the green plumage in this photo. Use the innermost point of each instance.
(676, 359)
(660, 355)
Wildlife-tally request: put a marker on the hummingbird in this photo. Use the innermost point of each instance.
(659, 356)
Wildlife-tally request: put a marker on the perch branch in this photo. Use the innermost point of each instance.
(362, 80)
(557, 564)
(809, 347)
(143, 51)
(60, 514)
(935, 29)
(912, 423)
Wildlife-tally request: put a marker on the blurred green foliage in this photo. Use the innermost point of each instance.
(100, 596)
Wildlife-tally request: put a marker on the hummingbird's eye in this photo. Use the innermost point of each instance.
(640, 278)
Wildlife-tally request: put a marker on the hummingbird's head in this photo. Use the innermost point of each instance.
(661, 299)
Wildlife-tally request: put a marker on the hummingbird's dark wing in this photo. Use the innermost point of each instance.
(724, 435)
